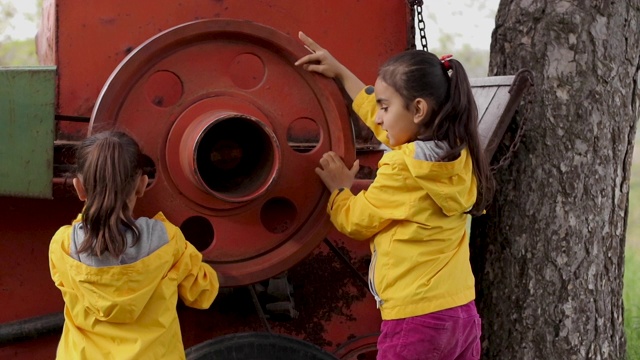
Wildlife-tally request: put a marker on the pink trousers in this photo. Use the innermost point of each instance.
(451, 334)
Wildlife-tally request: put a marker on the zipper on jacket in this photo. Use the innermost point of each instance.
(372, 273)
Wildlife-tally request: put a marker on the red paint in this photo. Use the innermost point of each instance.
(221, 151)
(169, 94)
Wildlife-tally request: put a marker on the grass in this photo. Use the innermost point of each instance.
(631, 292)
(631, 298)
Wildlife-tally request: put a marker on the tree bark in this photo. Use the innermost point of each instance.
(549, 254)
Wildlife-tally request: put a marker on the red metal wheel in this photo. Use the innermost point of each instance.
(235, 131)
(257, 346)
(360, 348)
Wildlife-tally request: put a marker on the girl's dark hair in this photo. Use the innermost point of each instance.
(108, 164)
(453, 117)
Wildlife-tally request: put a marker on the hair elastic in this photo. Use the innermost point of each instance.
(444, 59)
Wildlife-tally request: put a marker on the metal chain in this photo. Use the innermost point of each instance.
(416, 6)
(512, 149)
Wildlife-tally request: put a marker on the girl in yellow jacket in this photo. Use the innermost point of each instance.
(417, 208)
(120, 277)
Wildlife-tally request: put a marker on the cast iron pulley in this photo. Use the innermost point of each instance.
(257, 346)
(234, 131)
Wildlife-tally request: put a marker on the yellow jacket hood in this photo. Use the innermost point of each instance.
(130, 301)
(117, 290)
(451, 184)
(116, 294)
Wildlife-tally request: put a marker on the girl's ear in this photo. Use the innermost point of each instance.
(143, 180)
(82, 193)
(420, 110)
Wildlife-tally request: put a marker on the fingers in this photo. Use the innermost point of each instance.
(324, 163)
(355, 168)
(324, 177)
(307, 59)
(334, 173)
(317, 52)
(312, 45)
(331, 159)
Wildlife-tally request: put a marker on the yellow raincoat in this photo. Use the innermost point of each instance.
(129, 311)
(415, 212)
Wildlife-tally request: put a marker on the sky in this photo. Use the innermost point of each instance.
(465, 21)
(20, 27)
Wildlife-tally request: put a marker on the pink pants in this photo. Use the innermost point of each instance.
(451, 334)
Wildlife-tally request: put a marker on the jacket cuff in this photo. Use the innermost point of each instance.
(363, 96)
(333, 197)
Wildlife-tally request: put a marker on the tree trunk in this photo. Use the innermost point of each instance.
(549, 255)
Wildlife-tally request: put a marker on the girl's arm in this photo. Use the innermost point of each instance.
(322, 62)
(364, 104)
(197, 282)
(371, 211)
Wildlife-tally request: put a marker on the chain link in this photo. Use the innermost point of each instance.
(512, 149)
(416, 6)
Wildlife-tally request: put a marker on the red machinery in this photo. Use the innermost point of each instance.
(232, 131)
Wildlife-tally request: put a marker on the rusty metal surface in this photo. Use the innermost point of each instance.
(88, 39)
(333, 306)
(214, 104)
(26, 288)
(107, 31)
(26, 131)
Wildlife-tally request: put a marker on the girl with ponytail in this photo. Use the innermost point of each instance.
(121, 276)
(416, 211)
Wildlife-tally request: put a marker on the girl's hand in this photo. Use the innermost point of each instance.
(320, 60)
(334, 173)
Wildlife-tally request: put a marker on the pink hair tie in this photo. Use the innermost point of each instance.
(444, 59)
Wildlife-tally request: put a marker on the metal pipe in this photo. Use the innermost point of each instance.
(62, 187)
(30, 328)
(63, 181)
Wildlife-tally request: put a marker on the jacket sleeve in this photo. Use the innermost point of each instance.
(197, 281)
(365, 106)
(57, 250)
(54, 248)
(364, 215)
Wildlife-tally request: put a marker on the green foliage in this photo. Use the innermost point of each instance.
(7, 12)
(450, 38)
(631, 298)
(15, 52)
(475, 61)
(631, 293)
(633, 231)
(18, 53)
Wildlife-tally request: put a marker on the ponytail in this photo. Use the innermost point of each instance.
(457, 124)
(454, 117)
(108, 165)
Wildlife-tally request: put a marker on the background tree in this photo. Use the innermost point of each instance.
(16, 52)
(449, 33)
(549, 257)
(7, 12)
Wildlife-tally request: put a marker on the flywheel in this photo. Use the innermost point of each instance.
(233, 131)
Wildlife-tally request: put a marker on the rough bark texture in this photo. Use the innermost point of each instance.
(549, 257)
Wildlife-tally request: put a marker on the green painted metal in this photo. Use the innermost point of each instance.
(27, 131)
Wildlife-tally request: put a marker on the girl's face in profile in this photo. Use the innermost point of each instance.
(393, 116)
